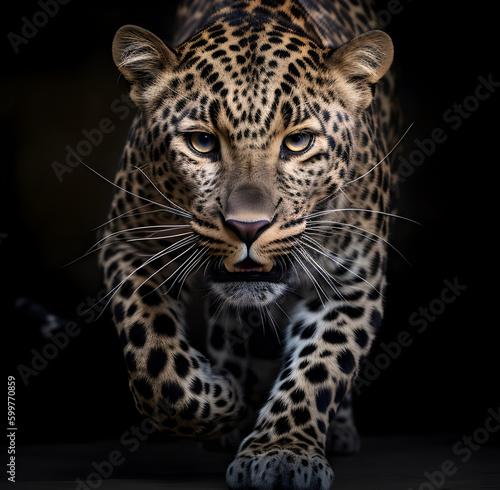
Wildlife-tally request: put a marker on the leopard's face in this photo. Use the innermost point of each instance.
(248, 130)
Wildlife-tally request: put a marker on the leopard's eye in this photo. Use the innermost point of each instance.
(202, 142)
(298, 142)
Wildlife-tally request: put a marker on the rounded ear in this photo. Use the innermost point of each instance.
(141, 57)
(360, 63)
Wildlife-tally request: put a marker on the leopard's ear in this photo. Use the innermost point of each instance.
(141, 57)
(359, 64)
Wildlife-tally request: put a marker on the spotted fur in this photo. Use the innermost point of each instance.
(256, 180)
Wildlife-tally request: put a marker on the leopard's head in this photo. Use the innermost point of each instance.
(249, 129)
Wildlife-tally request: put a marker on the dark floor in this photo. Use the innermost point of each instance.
(388, 463)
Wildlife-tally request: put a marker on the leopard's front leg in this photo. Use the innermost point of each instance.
(287, 446)
(171, 381)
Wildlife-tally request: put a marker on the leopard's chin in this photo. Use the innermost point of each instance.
(247, 293)
(248, 285)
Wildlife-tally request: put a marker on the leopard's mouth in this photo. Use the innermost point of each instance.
(250, 271)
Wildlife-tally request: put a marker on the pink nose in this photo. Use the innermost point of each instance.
(248, 231)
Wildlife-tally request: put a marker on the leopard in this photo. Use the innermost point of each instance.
(246, 250)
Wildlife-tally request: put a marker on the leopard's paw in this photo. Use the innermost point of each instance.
(279, 468)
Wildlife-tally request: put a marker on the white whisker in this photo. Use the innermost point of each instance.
(194, 268)
(264, 310)
(140, 229)
(323, 251)
(159, 237)
(383, 159)
(329, 211)
(111, 293)
(217, 313)
(129, 212)
(328, 278)
(186, 268)
(173, 273)
(316, 285)
(361, 232)
(184, 213)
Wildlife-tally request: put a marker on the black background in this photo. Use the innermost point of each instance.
(64, 81)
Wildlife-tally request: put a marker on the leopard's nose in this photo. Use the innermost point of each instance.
(247, 231)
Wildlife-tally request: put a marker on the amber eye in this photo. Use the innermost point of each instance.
(298, 142)
(202, 142)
